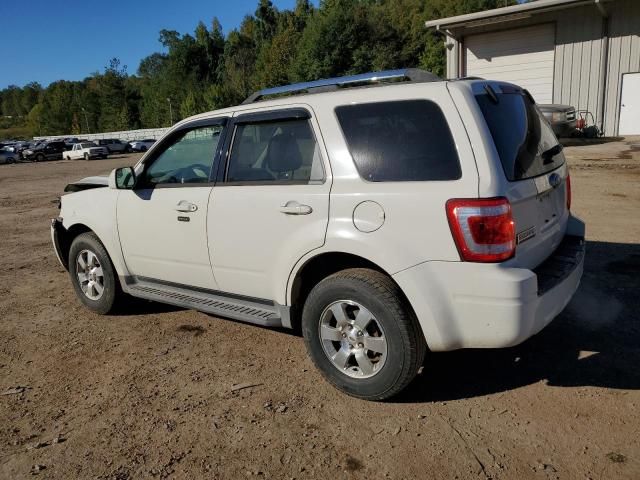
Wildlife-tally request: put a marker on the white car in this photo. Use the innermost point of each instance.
(86, 150)
(381, 222)
(141, 145)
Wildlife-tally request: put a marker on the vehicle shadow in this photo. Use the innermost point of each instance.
(580, 141)
(594, 342)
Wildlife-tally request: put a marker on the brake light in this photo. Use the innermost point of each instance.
(482, 228)
(568, 189)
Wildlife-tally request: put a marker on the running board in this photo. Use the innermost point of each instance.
(209, 302)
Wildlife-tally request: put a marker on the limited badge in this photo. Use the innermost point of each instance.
(525, 235)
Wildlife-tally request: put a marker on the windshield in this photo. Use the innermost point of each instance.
(523, 138)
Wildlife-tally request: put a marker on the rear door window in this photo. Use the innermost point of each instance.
(275, 151)
(523, 138)
(400, 141)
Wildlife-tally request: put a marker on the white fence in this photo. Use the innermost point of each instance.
(128, 135)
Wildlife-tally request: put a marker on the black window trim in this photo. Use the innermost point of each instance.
(160, 146)
(297, 113)
(344, 139)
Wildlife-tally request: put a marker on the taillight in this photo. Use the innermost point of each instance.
(482, 228)
(568, 189)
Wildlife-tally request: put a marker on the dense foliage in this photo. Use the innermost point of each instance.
(208, 70)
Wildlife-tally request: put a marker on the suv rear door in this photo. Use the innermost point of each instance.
(270, 204)
(534, 166)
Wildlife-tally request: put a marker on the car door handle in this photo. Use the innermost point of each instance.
(184, 206)
(295, 208)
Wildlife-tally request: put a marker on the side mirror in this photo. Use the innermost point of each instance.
(123, 178)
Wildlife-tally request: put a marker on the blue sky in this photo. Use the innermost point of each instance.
(50, 40)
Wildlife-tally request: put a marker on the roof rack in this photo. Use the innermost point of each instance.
(410, 74)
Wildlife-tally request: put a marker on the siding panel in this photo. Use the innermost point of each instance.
(523, 56)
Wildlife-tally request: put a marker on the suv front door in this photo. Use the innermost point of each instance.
(270, 204)
(162, 221)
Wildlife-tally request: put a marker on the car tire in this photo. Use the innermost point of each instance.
(86, 156)
(11, 160)
(372, 347)
(40, 158)
(68, 157)
(143, 148)
(92, 274)
(128, 150)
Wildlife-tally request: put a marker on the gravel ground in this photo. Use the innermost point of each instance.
(151, 394)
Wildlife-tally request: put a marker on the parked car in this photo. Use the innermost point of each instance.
(378, 221)
(114, 145)
(45, 151)
(141, 145)
(70, 142)
(8, 155)
(21, 147)
(561, 117)
(86, 150)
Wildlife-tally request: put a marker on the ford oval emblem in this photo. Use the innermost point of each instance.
(554, 180)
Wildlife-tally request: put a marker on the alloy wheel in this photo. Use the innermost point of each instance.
(90, 274)
(353, 339)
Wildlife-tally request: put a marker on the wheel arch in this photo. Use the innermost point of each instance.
(66, 237)
(78, 228)
(320, 266)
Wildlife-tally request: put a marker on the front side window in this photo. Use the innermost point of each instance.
(187, 159)
(400, 141)
(277, 151)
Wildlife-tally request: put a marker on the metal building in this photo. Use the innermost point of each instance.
(584, 53)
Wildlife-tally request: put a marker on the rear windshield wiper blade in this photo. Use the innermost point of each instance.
(548, 155)
(492, 94)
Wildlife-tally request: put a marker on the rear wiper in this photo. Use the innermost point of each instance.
(548, 155)
(492, 94)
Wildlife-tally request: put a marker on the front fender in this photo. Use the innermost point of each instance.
(95, 209)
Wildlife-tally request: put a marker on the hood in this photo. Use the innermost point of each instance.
(87, 183)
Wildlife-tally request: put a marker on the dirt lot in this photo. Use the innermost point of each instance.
(150, 394)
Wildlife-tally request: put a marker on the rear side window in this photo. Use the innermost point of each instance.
(524, 139)
(400, 141)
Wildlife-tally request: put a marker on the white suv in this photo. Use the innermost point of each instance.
(381, 217)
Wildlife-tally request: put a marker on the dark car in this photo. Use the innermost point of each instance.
(561, 117)
(46, 151)
(70, 142)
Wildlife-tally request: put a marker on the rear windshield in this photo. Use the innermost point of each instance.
(524, 139)
(400, 141)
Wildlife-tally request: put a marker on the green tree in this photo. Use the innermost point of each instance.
(190, 105)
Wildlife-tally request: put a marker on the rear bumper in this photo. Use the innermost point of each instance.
(472, 305)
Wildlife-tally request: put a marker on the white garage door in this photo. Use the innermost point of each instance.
(523, 56)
